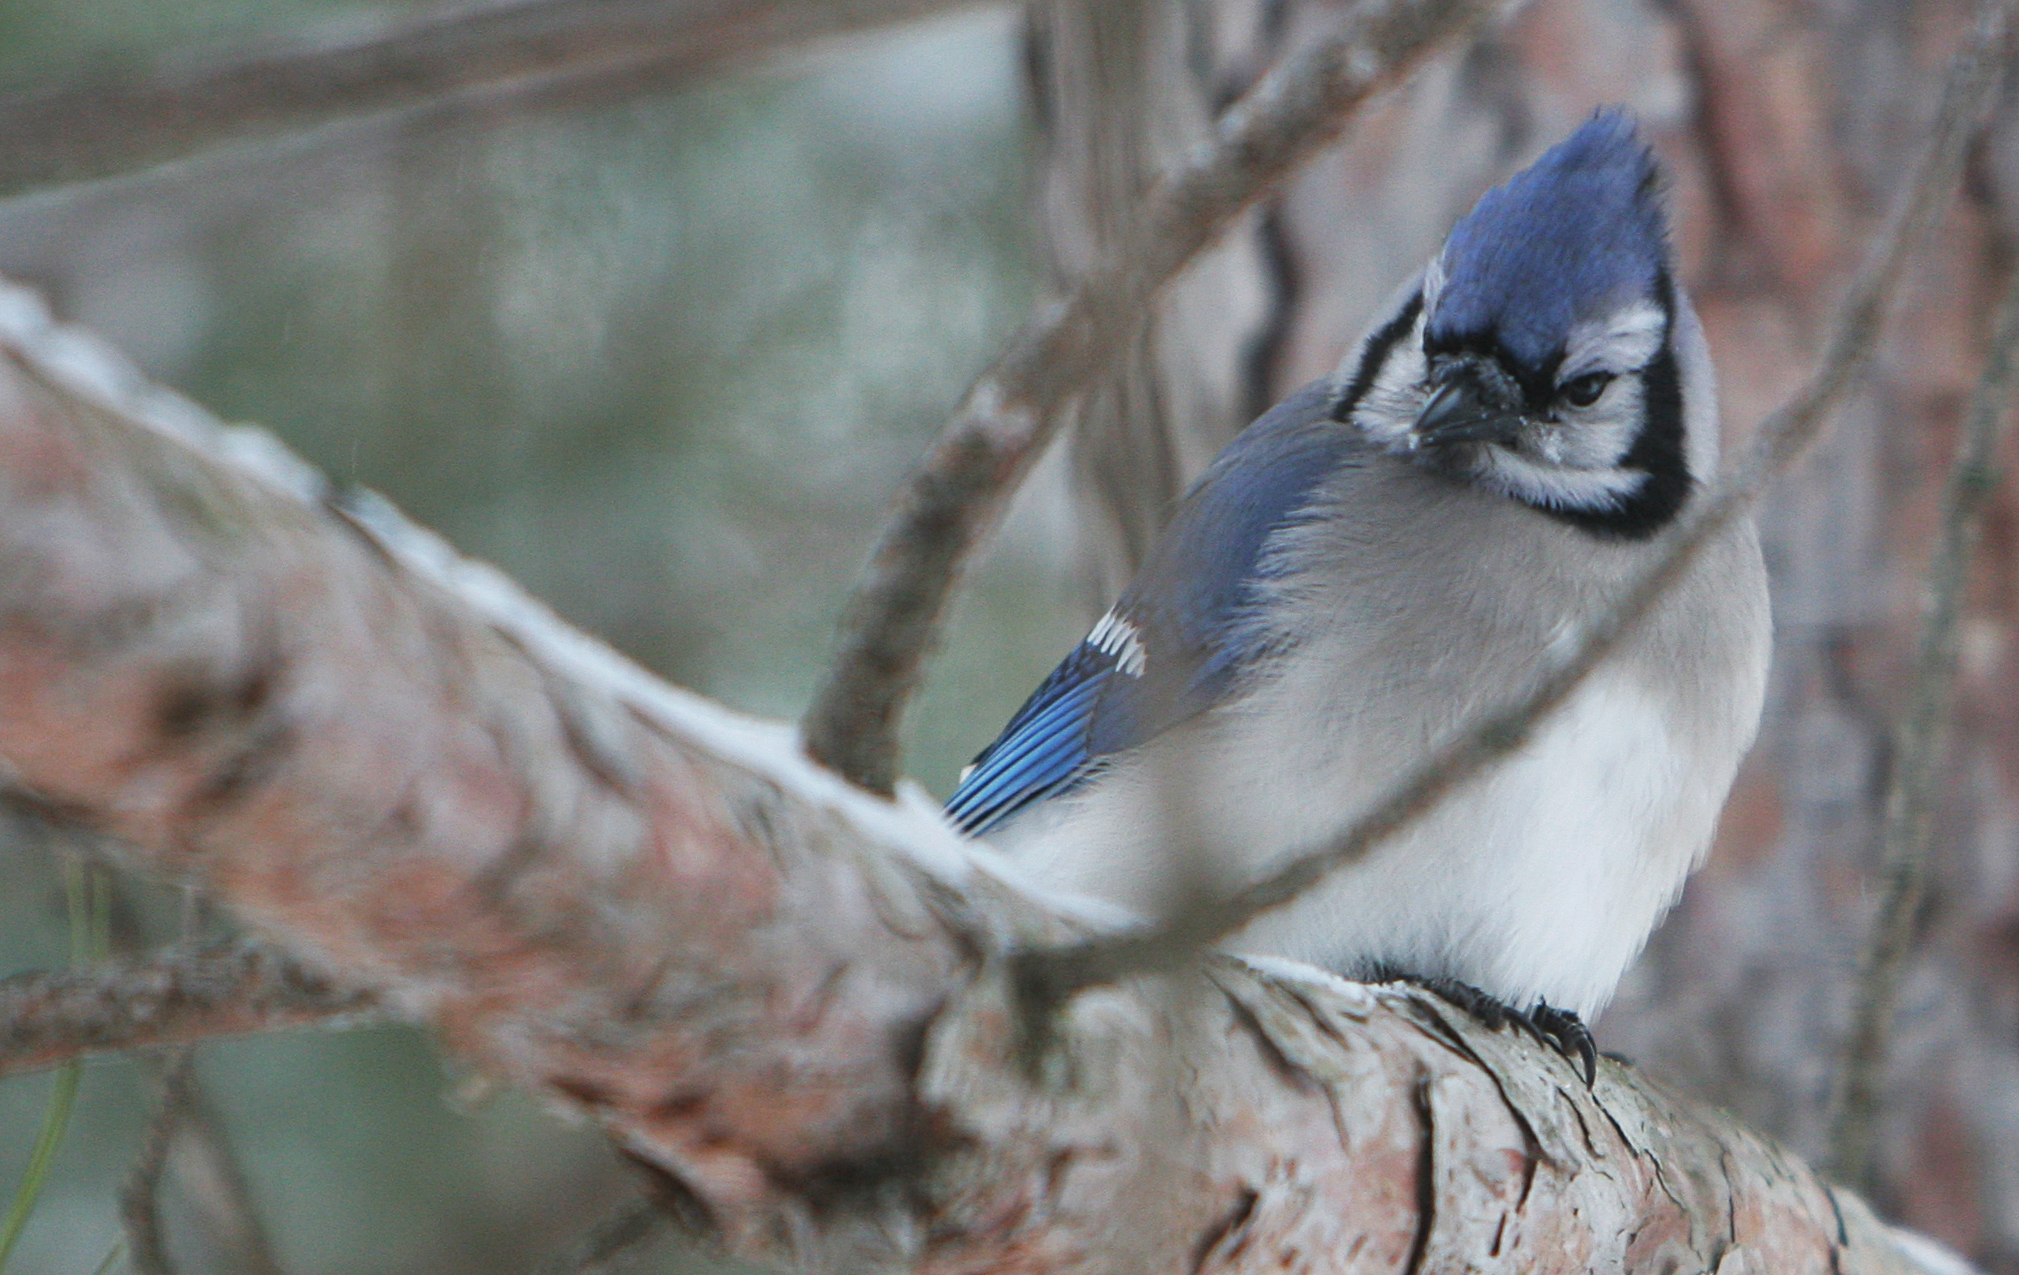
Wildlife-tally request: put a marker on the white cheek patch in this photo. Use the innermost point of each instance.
(1388, 410)
(1624, 341)
(1595, 437)
(1575, 463)
(1433, 284)
(1538, 482)
(1700, 392)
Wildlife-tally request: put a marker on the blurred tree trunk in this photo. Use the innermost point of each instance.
(1122, 88)
(1782, 128)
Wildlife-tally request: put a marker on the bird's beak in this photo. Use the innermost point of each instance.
(1457, 413)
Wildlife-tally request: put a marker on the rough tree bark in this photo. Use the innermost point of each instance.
(783, 995)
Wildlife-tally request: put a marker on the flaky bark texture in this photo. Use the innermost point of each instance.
(782, 994)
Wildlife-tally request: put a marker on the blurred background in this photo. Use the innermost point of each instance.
(664, 355)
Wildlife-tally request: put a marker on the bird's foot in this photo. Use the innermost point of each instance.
(1490, 1011)
(1567, 1032)
(1560, 1029)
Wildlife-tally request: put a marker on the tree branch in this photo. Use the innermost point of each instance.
(785, 996)
(140, 1194)
(1918, 748)
(174, 998)
(213, 1183)
(456, 58)
(1013, 410)
(1047, 977)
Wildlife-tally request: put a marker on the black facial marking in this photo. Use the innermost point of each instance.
(1657, 451)
(1378, 346)
(1538, 383)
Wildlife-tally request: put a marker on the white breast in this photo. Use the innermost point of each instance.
(1541, 880)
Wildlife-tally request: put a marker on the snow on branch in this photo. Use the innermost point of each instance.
(786, 997)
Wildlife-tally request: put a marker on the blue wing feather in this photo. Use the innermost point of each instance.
(1190, 612)
(1044, 747)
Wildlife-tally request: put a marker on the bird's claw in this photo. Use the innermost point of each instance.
(1560, 1029)
(1571, 1038)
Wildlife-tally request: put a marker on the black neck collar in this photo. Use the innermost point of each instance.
(1657, 452)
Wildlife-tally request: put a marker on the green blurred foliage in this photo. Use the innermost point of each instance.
(664, 361)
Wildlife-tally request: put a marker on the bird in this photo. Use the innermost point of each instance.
(1382, 558)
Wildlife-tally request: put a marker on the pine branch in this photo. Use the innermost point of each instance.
(140, 1194)
(1919, 744)
(789, 998)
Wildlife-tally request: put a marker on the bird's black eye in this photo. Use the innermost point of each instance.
(1584, 390)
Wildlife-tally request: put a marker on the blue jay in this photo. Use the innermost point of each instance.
(1391, 552)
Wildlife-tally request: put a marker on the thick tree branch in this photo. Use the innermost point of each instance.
(462, 56)
(1048, 977)
(1918, 748)
(1013, 410)
(786, 996)
(173, 998)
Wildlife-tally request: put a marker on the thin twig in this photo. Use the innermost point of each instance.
(140, 1196)
(633, 1222)
(1920, 740)
(1049, 975)
(1010, 413)
(214, 1184)
(47, 1018)
(98, 126)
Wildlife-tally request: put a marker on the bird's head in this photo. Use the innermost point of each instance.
(1545, 353)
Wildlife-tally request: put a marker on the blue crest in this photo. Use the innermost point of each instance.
(1578, 231)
